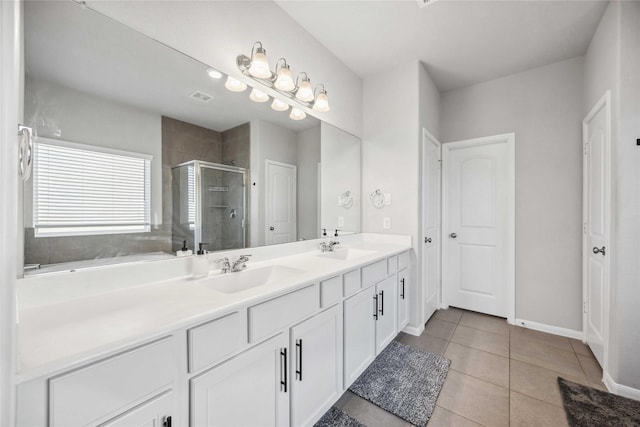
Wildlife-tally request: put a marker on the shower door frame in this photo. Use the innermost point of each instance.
(198, 165)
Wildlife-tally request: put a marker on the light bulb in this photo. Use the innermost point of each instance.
(214, 74)
(305, 90)
(279, 105)
(235, 85)
(285, 79)
(297, 114)
(258, 95)
(322, 102)
(260, 64)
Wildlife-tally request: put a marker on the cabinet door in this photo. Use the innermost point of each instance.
(359, 334)
(387, 323)
(403, 299)
(252, 389)
(157, 412)
(316, 366)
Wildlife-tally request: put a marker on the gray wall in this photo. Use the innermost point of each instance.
(543, 106)
(613, 63)
(393, 119)
(308, 158)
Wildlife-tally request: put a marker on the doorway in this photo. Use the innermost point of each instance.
(478, 227)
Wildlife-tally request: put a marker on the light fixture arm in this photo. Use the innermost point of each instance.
(280, 65)
(323, 90)
(298, 78)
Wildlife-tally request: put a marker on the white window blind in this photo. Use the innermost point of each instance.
(191, 195)
(81, 190)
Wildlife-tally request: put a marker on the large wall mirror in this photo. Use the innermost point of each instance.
(140, 151)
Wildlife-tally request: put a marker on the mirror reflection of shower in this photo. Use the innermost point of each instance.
(209, 205)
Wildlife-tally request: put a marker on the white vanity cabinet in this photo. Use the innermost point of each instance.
(387, 317)
(251, 389)
(154, 413)
(403, 299)
(316, 366)
(359, 334)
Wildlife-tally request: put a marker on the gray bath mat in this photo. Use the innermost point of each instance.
(588, 407)
(336, 417)
(404, 381)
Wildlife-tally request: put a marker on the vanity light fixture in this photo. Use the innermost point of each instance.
(259, 62)
(214, 74)
(297, 114)
(305, 90)
(235, 85)
(301, 91)
(321, 103)
(279, 105)
(284, 78)
(258, 95)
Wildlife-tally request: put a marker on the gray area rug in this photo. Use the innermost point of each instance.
(404, 381)
(588, 407)
(336, 417)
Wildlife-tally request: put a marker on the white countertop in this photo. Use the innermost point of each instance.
(64, 334)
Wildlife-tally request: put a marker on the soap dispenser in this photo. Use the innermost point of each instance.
(200, 262)
(184, 251)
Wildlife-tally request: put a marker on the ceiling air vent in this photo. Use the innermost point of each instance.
(423, 3)
(201, 96)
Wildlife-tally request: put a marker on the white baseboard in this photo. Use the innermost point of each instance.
(555, 330)
(620, 389)
(412, 330)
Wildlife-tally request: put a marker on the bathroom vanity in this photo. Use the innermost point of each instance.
(276, 344)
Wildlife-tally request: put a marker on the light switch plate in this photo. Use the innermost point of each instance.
(386, 223)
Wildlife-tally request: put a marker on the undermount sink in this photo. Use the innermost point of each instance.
(347, 254)
(231, 283)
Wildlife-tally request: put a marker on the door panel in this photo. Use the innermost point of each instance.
(280, 219)
(431, 192)
(387, 322)
(596, 134)
(478, 217)
(359, 334)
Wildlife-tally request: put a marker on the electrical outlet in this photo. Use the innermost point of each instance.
(340, 221)
(387, 199)
(386, 223)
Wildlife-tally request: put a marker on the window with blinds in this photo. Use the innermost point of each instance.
(82, 190)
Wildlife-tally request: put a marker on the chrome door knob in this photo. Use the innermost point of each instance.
(599, 250)
(427, 240)
(272, 228)
(453, 235)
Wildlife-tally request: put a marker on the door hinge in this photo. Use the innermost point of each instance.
(584, 306)
(585, 227)
(586, 148)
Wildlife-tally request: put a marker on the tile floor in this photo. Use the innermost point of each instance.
(500, 375)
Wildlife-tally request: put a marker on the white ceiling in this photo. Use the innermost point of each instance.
(460, 42)
(81, 49)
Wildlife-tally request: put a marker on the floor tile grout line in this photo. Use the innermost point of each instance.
(483, 330)
(480, 379)
(461, 416)
(537, 399)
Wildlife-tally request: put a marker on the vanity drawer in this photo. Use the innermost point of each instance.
(392, 264)
(330, 291)
(403, 260)
(278, 313)
(87, 395)
(373, 273)
(212, 341)
(351, 282)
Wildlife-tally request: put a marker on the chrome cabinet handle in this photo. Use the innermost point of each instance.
(453, 235)
(599, 250)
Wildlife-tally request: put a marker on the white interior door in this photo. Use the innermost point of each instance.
(280, 218)
(431, 190)
(596, 169)
(478, 215)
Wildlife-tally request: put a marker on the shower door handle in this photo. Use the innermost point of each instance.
(272, 228)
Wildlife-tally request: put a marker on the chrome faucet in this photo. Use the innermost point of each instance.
(226, 266)
(328, 247)
(240, 263)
